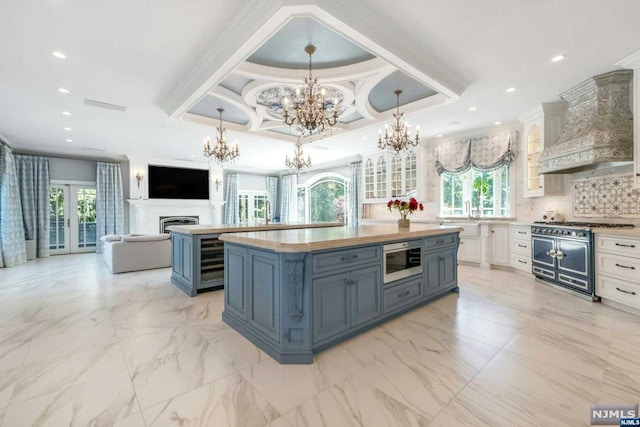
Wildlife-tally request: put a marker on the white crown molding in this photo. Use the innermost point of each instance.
(477, 132)
(632, 61)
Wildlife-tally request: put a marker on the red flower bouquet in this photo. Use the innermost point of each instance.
(405, 208)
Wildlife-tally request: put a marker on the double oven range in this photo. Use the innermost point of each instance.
(563, 253)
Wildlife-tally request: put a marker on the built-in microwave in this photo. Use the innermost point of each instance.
(401, 260)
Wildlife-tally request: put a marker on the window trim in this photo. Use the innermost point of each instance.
(314, 180)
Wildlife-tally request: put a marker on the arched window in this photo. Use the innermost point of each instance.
(325, 198)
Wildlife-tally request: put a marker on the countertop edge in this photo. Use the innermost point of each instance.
(633, 233)
(333, 244)
(229, 228)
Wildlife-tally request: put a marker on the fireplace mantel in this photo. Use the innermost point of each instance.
(146, 213)
(168, 202)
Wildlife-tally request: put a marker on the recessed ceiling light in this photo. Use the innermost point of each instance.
(69, 140)
(193, 155)
(473, 108)
(497, 123)
(66, 113)
(439, 135)
(63, 90)
(68, 129)
(59, 55)
(557, 58)
(364, 137)
(511, 89)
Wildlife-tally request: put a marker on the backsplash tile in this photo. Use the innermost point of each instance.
(606, 196)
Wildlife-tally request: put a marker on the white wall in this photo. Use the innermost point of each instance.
(72, 169)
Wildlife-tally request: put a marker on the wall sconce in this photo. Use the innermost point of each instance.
(217, 182)
(139, 177)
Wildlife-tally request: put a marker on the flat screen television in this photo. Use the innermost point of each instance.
(178, 183)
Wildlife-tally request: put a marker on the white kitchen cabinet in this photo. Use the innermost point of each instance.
(632, 62)
(521, 248)
(500, 254)
(470, 249)
(386, 175)
(617, 266)
(542, 125)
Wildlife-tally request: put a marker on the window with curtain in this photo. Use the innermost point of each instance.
(456, 189)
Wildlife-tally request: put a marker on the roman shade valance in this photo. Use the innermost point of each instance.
(482, 153)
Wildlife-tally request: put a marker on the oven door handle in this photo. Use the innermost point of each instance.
(552, 253)
(559, 254)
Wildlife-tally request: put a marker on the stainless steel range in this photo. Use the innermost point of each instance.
(562, 253)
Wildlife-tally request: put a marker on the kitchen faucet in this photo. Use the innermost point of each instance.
(267, 207)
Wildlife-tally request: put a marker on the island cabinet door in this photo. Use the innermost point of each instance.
(182, 256)
(235, 293)
(440, 270)
(365, 295)
(331, 311)
(264, 293)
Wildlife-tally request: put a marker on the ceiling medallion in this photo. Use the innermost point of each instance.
(298, 163)
(311, 110)
(400, 137)
(221, 153)
(272, 99)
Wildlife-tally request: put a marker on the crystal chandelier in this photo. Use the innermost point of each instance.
(298, 163)
(311, 112)
(221, 153)
(400, 137)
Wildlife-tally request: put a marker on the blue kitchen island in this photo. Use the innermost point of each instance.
(296, 292)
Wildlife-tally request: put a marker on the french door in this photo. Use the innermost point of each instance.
(73, 218)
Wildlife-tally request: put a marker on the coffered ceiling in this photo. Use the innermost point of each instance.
(252, 95)
(172, 64)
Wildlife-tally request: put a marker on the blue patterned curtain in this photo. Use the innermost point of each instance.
(11, 224)
(231, 200)
(289, 199)
(33, 180)
(272, 196)
(355, 194)
(109, 202)
(482, 153)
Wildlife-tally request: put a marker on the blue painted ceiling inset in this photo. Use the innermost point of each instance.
(382, 97)
(208, 106)
(286, 48)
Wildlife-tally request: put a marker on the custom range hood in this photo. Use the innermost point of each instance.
(599, 127)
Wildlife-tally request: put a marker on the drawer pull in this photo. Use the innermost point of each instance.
(349, 258)
(522, 246)
(625, 292)
(403, 294)
(523, 262)
(522, 232)
(625, 246)
(439, 242)
(625, 266)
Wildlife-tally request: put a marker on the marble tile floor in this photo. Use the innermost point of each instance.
(80, 346)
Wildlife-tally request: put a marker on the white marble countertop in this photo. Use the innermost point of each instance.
(313, 239)
(254, 226)
(622, 232)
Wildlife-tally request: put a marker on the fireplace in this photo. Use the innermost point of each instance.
(167, 221)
